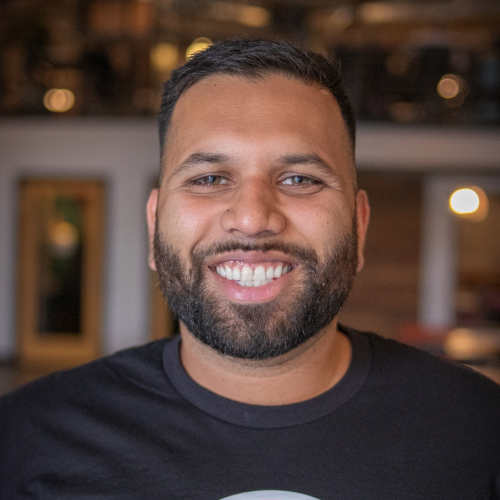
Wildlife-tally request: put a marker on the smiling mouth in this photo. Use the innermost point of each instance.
(252, 275)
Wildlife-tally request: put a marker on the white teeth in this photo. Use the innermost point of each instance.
(246, 274)
(236, 274)
(253, 277)
(277, 271)
(259, 274)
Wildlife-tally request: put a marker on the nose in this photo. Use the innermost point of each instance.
(254, 210)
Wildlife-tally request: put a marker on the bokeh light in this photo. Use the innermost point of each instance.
(464, 201)
(450, 86)
(470, 202)
(64, 239)
(59, 100)
(163, 56)
(248, 15)
(198, 45)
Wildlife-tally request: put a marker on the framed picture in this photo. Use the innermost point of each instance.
(60, 262)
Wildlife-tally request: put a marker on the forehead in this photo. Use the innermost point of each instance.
(224, 93)
(276, 109)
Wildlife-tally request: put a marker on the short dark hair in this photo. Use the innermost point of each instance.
(255, 59)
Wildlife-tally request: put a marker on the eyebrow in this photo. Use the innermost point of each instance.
(307, 159)
(201, 158)
(204, 158)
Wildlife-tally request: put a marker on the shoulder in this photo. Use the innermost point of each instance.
(413, 374)
(421, 398)
(86, 384)
(59, 421)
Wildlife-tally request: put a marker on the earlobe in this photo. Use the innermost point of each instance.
(151, 219)
(363, 219)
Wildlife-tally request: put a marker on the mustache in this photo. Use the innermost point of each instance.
(298, 251)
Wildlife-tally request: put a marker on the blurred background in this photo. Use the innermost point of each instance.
(80, 84)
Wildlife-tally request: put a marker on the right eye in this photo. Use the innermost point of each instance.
(210, 180)
(299, 180)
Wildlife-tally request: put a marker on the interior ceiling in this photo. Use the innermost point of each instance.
(316, 15)
(470, 6)
(453, 4)
(330, 3)
(394, 52)
(329, 22)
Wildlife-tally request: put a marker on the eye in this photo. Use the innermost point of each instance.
(299, 180)
(210, 180)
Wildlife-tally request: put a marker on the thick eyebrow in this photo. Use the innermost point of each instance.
(307, 159)
(201, 158)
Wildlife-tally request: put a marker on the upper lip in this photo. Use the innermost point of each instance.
(252, 257)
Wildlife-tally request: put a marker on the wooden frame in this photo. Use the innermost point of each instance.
(39, 347)
(162, 320)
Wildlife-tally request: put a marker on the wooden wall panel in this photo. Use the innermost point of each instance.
(385, 293)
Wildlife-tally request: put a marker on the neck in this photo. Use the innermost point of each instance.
(305, 372)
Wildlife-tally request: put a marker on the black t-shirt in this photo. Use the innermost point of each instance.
(399, 424)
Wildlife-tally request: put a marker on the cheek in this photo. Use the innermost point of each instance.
(184, 223)
(321, 224)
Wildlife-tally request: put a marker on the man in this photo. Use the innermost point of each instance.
(257, 232)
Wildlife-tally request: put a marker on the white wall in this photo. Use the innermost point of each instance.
(439, 246)
(429, 149)
(124, 152)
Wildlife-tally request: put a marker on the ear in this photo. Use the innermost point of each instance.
(151, 218)
(363, 218)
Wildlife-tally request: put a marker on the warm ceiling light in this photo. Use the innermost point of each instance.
(59, 100)
(470, 202)
(387, 12)
(338, 21)
(255, 17)
(464, 201)
(248, 15)
(450, 86)
(163, 56)
(376, 12)
(198, 45)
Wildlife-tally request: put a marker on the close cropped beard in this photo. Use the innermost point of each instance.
(265, 330)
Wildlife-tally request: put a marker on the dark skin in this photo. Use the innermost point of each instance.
(253, 162)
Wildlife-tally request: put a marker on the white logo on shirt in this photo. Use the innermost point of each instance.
(269, 495)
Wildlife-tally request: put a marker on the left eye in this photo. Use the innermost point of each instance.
(298, 180)
(210, 180)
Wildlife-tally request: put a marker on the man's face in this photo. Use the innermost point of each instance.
(258, 237)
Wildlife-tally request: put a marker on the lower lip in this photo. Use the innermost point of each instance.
(258, 294)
